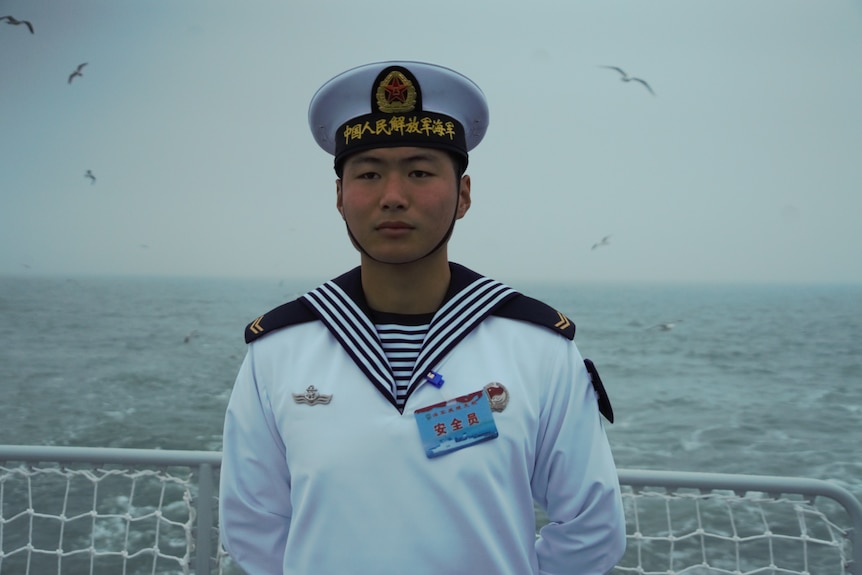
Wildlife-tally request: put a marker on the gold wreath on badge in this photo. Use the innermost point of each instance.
(498, 396)
(396, 93)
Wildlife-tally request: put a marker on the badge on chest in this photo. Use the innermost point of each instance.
(455, 424)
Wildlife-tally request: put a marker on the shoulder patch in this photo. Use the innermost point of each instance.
(532, 310)
(290, 313)
(601, 395)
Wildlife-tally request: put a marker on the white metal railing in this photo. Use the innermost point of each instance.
(180, 496)
(805, 500)
(202, 475)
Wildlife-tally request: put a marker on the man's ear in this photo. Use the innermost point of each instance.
(339, 204)
(464, 200)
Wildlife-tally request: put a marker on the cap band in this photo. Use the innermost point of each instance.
(425, 129)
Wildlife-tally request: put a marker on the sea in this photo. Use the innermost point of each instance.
(730, 378)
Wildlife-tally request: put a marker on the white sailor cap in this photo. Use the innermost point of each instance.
(398, 103)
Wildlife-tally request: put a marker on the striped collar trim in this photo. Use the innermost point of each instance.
(457, 318)
(354, 331)
(340, 305)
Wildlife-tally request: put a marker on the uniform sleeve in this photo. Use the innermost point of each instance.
(575, 479)
(254, 490)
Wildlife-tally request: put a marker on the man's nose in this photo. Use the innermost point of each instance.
(394, 196)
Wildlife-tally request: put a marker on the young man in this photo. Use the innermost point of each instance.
(406, 416)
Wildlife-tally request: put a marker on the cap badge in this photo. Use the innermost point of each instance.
(498, 396)
(396, 93)
(311, 397)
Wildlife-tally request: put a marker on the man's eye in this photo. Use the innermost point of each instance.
(420, 174)
(367, 176)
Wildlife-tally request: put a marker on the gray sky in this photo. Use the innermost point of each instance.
(745, 166)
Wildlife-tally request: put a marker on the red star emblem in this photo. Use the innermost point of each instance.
(396, 90)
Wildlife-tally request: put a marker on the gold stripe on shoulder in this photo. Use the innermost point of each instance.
(255, 326)
(563, 323)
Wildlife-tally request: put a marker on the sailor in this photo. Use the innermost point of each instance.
(409, 415)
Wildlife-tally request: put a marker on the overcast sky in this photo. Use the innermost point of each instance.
(745, 166)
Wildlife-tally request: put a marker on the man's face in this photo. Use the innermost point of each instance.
(399, 202)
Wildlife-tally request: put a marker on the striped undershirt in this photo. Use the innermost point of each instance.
(401, 338)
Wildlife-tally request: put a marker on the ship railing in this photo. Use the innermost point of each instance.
(119, 510)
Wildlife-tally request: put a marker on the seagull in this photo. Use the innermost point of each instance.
(666, 326)
(90, 175)
(15, 22)
(626, 78)
(77, 72)
(605, 242)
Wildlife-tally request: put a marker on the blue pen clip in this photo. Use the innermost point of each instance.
(434, 379)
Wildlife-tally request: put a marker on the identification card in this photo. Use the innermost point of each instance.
(455, 424)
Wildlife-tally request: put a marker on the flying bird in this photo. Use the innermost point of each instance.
(90, 175)
(77, 72)
(605, 242)
(15, 22)
(626, 78)
(665, 326)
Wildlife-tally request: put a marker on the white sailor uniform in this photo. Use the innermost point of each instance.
(323, 474)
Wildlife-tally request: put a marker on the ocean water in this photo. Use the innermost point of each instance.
(758, 379)
(751, 379)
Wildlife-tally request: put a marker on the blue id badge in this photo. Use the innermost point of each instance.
(455, 424)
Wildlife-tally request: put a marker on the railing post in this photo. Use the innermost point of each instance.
(203, 546)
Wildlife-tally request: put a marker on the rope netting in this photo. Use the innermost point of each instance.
(112, 519)
(98, 520)
(731, 533)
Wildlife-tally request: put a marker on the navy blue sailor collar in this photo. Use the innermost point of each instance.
(519, 306)
(341, 305)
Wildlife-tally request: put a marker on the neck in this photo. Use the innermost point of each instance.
(412, 288)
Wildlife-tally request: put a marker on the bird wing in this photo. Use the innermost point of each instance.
(620, 70)
(81, 67)
(645, 84)
(30, 26)
(604, 242)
